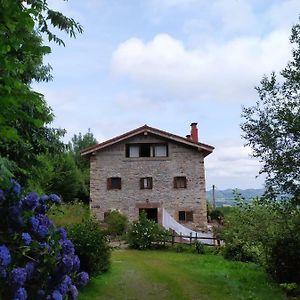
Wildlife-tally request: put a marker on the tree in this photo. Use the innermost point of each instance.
(79, 142)
(24, 114)
(272, 127)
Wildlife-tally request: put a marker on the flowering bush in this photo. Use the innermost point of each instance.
(143, 233)
(37, 261)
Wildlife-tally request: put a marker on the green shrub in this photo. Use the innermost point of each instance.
(238, 251)
(284, 262)
(216, 214)
(116, 222)
(91, 246)
(143, 233)
(199, 247)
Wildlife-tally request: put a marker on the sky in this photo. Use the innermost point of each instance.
(168, 63)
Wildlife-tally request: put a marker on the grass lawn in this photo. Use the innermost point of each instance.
(159, 275)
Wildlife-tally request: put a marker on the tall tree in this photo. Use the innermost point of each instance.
(272, 126)
(24, 114)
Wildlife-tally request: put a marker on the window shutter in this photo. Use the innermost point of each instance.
(108, 183)
(141, 183)
(175, 182)
(184, 180)
(189, 216)
(150, 182)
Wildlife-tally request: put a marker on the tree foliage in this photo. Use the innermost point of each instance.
(24, 114)
(272, 126)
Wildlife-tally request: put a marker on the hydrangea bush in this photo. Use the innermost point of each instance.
(37, 260)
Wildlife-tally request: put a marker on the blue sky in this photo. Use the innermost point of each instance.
(167, 63)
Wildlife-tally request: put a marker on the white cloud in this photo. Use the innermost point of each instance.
(231, 165)
(226, 71)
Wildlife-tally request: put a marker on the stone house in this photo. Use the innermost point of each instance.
(150, 169)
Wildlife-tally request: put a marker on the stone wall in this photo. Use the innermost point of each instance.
(182, 161)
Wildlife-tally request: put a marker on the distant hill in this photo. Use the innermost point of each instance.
(226, 197)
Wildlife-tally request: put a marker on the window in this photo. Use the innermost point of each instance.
(114, 183)
(147, 150)
(185, 216)
(146, 183)
(180, 182)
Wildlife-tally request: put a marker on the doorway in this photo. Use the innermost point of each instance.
(151, 213)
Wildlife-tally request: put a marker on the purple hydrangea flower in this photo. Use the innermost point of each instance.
(26, 238)
(42, 231)
(62, 233)
(30, 201)
(34, 223)
(15, 187)
(2, 196)
(56, 295)
(29, 267)
(67, 263)
(73, 293)
(20, 294)
(82, 279)
(76, 263)
(54, 198)
(65, 285)
(18, 277)
(67, 247)
(44, 198)
(5, 257)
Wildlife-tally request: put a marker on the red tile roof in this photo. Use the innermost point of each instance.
(206, 149)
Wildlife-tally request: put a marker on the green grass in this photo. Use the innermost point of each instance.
(167, 275)
(69, 213)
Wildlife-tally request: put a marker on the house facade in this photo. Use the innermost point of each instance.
(150, 169)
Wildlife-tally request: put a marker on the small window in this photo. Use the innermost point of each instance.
(180, 182)
(185, 216)
(145, 150)
(114, 183)
(146, 183)
(160, 150)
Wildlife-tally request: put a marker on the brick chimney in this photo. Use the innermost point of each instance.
(194, 132)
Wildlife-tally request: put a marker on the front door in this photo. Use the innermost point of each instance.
(151, 213)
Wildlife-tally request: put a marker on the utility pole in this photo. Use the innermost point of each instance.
(214, 196)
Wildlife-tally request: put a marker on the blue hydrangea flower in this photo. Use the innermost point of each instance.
(76, 263)
(44, 220)
(41, 294)
(67, 247)
(65, 285)
(67, 263)
(42, 231)
(30, 201)
(15, 187)
(26, 238)
(62, 233)
(73, 293)
(54, 198)
(5, 257)
(34, 223)
(29, 267)
(15, 215)
(3, 273)
(20, 294)
(56, 295)
(41, 209)
(18, 277)
(44, 198)
(45, 246)
(2, 196)
(82, 279)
